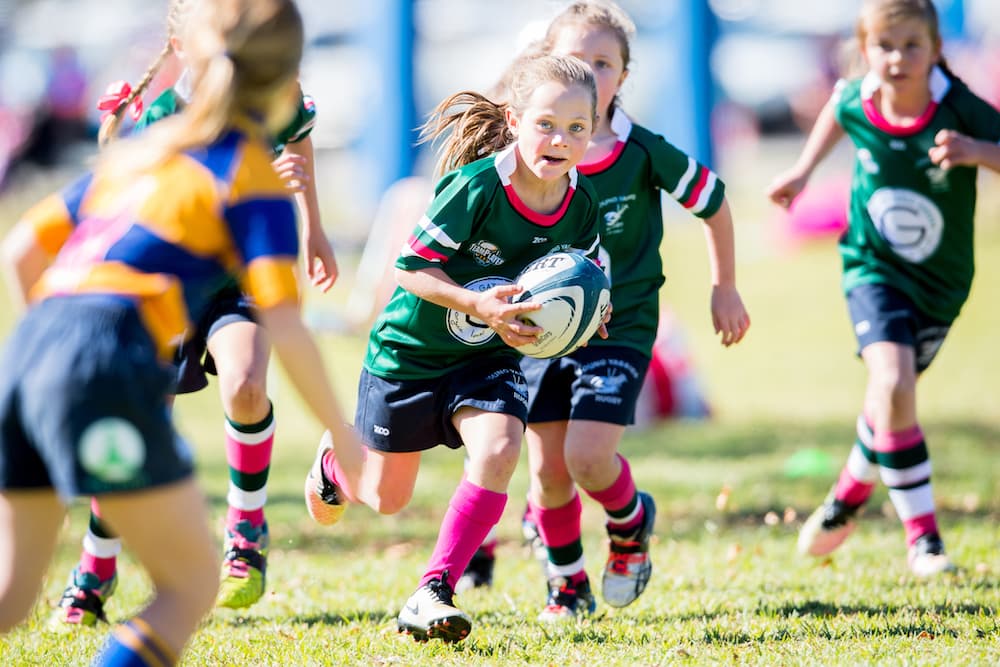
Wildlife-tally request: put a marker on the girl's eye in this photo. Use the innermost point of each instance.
(577, 127)
(545, 125)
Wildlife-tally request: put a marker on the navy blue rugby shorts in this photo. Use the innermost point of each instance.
(414, 415)
(193, 360)
(83, 402)
(881, 313)
(593, 383)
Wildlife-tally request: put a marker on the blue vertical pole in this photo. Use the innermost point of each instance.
(388, 148)
(951, 15)
(685, 85)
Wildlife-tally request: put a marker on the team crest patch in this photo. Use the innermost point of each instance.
(112, 450)
(466, 328)
(486, 253)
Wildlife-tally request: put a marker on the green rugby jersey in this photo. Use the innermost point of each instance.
(628, 182)
(171, 100)
(479, 232)
(911, 222)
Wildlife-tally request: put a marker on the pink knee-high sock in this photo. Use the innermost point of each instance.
(620, 501)
(100, 547)
(248, 453)
(906, 470)
(558, 526)
(472, 512)
(858, 477)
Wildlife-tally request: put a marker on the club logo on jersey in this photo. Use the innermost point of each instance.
(466, 328)
(613, 220)
(909, 222)
(486, 253)
(867, 161)
(112, 450)
(938, 178)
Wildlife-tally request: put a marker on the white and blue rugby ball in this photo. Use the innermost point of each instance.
(574, 294)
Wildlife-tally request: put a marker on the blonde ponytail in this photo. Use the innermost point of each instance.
(241, 55)
(478, 128)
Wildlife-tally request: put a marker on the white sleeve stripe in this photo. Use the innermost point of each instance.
(408, 251)
(437, 233)
(593, 246)
(706, 193)
(686, 179)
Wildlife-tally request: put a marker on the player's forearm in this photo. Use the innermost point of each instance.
(308, 199)
(435, 286)
(24, 262)
(825, 134)
(304, 365)
(989, 155)
(720, 239)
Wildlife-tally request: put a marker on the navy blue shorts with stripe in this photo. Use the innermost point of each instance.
(414, 415)
(881, 313)
(593, 383)
(193, 360)
(83, 402)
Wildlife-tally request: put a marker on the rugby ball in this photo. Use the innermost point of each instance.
(574, 294)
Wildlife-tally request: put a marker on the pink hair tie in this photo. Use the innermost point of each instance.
(114, 97)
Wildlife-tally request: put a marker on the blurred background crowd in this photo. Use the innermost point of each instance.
(709, 74)
(717, 77)
(735, 83)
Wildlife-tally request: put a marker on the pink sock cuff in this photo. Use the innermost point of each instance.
(104, 568)
(919, 525)
(894, 441)
(620, 493)
(248, 458)
(852, 491)
(558, 526)
(479, 504)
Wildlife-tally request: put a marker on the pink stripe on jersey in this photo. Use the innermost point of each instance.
(602, 164)
(543, 219)
(423, 251)
(894, 441)
(880, 121)
(696, 191)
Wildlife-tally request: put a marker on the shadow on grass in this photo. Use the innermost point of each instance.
(681, 440)
(331, 619)
(819, 608)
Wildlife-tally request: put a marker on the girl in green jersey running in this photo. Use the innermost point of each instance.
(919, 135)
(580, 405)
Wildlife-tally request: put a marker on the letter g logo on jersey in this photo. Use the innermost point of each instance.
(909, 222)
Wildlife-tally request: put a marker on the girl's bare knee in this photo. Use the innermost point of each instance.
(246, 399)
(390, 502)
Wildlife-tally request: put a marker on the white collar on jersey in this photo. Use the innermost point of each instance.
(621, 124)
(184, 87)
(505, 162)
(939, 84)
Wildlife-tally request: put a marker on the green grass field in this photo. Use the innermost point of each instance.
(727, 584)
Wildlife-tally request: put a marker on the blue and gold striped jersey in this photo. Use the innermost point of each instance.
(170, 237)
